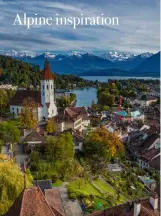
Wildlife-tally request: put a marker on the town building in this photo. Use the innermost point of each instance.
(75, 118)
(144, 145)
(45, 98)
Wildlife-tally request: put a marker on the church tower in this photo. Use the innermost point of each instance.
(47, 92)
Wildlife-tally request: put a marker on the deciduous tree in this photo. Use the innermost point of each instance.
(29, 115)
(51, 126)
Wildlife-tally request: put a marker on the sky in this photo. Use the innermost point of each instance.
(138, 29)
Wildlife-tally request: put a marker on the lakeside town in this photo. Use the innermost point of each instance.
(66, 160)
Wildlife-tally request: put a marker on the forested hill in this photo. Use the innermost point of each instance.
(23, 74)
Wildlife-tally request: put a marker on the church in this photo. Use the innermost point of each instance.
(45, 98)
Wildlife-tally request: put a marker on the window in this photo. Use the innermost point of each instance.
(17, 111)
(43, 86)
(47, 87)
(51, 86)
(52, 111)
(13, 108)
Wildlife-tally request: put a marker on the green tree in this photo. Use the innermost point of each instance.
(3, 101)
(9, 133)
(100, 146)
(29, 115)
(11, 184)
(60, 148)
(51, 126)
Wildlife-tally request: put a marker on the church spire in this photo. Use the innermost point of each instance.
(46, 73)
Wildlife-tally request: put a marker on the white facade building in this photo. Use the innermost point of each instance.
(45, 98)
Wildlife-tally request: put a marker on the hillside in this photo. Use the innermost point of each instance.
(151, 64)
(24, 74)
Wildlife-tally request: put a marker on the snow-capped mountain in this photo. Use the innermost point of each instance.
(79, 62)
(146, 55)
(117, 56)
(14, 53)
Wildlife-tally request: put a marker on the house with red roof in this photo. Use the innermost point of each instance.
(75, 118)
(33, 202)
(45, 98)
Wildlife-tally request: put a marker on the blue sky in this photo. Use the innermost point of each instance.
(138, 30)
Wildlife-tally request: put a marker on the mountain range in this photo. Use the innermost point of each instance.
(108, 63)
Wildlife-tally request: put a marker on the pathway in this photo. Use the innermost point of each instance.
(20, 155)
(72, 208)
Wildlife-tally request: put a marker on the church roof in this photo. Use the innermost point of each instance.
(30, 202)
(46, 73)
(21, 95)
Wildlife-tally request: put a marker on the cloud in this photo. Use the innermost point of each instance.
(138, 30)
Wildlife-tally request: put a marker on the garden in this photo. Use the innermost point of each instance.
(126, 183)
(95, 194)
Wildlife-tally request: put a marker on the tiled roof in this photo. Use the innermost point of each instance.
(21, 95)
(46, 73)
(149, 141)
(34, 136)
(75, 112)
(155, 163)
(150, 154)
(54, 200)
(31, 202)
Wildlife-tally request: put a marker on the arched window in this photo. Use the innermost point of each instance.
(51, 86)
(47, 87)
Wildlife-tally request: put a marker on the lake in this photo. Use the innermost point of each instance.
(86, 96)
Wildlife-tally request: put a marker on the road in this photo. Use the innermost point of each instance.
(72, 208)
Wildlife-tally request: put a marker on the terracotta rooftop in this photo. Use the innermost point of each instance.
(46, 73)
(75, 112)
(54, 200)
(34, 136)
(21, 95)
(31, 202)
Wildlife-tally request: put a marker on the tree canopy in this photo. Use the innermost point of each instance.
(101, 146)
(9, 132)
(29, 115)
(11, 184)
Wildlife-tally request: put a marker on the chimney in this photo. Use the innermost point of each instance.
(137, 207)
(154, 200)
